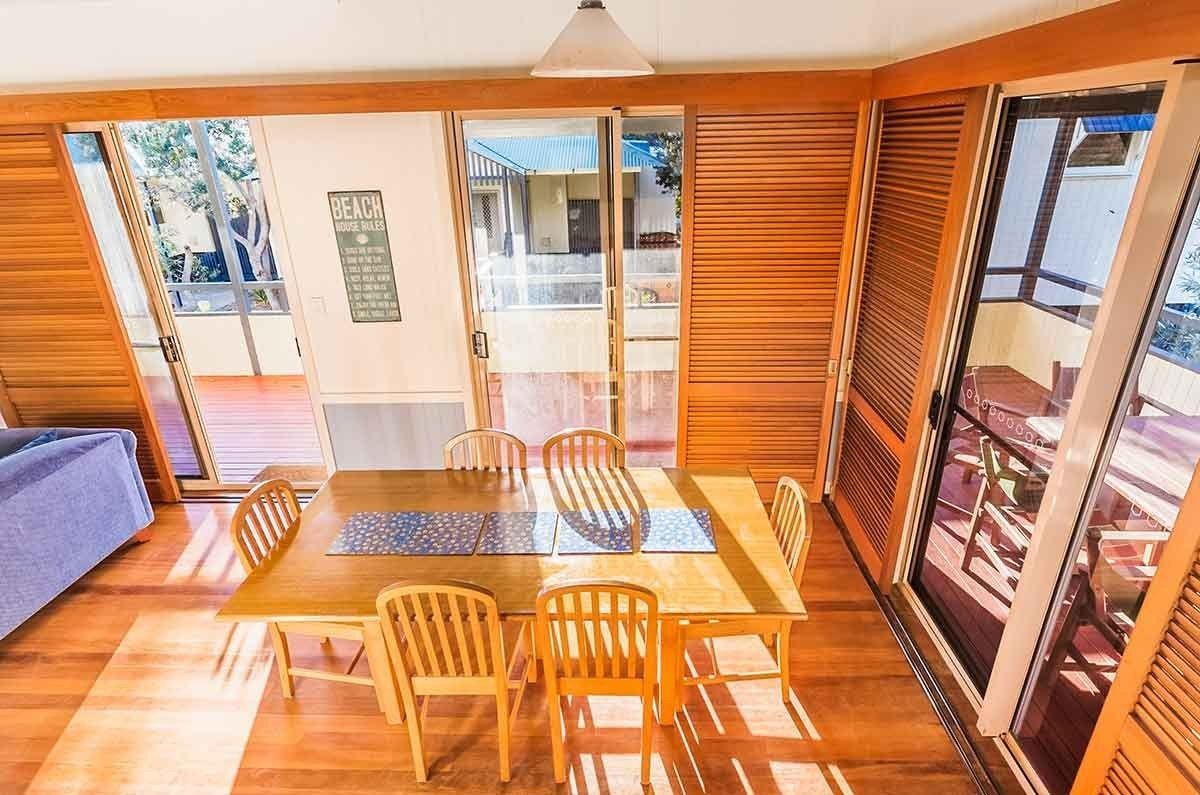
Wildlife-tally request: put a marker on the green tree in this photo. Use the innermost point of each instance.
(172, 174)
(1176, 338)
(668, 147)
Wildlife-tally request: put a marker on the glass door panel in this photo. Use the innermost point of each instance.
(651, 172)
(1137, 497)
(89, 159)
(540, 227)
(206, 214)
(1066, 169)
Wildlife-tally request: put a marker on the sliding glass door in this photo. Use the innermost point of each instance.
(1062, 186)
(572, 226)
(149, 330)
(179, 210)
(204, 210)
(1069, 431)
(1136, 494)
(1066, 170)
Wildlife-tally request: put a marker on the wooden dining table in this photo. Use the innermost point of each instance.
(745, 577)
(1152, 462)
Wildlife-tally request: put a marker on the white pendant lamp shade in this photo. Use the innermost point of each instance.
(591, 45)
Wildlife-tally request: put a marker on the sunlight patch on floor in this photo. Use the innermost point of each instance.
(208, 557)
(173, 707)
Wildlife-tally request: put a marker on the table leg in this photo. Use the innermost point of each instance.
(381, 672)
(668, 667)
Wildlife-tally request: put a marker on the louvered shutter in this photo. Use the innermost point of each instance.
(1147, 740)
(65, 360)
(925, 159)
(767, 208)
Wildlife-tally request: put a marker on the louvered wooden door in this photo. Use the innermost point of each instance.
(65, 359)
(1146, 740)
(771, 215)
(926, 152)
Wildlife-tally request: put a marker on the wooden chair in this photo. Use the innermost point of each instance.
(789, 517)
(267, 515)
(445, 638)
(1006, 485)
(597, 638)
(484, 448)
(582, 448)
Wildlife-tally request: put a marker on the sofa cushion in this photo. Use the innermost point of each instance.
(38, 441)
(64, 507)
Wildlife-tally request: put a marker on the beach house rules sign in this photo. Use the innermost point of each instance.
(362, 241)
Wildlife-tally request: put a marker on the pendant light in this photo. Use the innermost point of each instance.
(592, 45)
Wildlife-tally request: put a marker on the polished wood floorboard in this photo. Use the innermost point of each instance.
(125, 685)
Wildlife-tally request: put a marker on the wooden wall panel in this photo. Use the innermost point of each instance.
(766, 240)
(926, 154)
(1145, 740)
(64, 357)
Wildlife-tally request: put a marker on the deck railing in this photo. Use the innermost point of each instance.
(220, 298)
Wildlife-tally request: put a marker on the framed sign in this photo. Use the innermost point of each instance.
(362, 240)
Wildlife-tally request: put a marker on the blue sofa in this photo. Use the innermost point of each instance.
(65, 506)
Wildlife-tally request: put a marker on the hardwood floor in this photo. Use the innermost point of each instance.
(125, 685)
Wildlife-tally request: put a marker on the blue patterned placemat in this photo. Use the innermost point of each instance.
(408, 533)
(595, 531)
(677, 530)
(521, 533)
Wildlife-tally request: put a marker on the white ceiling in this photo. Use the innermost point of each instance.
(57, 44)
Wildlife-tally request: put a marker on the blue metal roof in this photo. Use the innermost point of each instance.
(558, 153)
(1132, 122)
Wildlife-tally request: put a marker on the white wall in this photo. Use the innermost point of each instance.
(422, 358)
(548, 214)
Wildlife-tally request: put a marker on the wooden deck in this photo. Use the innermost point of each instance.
(261, 421)
(126, 684)
(260, 426)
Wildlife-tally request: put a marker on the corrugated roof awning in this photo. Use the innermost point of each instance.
(1133, 122)
(558, 154)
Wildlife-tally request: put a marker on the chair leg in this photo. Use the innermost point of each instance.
(503, 731)
(976, 524)
(647, 734)
(414, 733)
(283, 660)
(784, 652)
(554, 705)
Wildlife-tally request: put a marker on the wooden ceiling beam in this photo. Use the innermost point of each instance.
(1124, 32)
(735, 88)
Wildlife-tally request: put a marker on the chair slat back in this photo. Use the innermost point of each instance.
(265, 515)
(789, 517)
(445, 629)
(484, 448)
(598, 630)
(583, 448)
